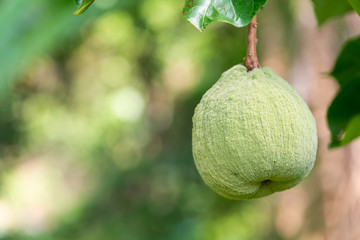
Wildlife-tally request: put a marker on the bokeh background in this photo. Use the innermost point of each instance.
(95, 123)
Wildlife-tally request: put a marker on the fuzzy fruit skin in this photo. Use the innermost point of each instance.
(253, 135)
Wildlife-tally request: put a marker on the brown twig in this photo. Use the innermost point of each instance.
(251, 61)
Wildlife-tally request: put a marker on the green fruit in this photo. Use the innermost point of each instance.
(253, 135)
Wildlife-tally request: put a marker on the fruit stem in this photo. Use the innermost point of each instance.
(251, 60)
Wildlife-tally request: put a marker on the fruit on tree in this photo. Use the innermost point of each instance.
(253, 135)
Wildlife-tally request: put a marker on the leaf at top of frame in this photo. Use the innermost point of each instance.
(82, 5)
(239, 13)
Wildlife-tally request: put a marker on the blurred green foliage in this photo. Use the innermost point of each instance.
(326, 9)
(355, 5)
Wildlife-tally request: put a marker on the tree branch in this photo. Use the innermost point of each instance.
(251, 61)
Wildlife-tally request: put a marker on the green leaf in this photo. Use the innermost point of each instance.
(78, 3)
(236, 12)
(355, 5)
(347, 65)
(344, 112)
(326, 9)
(343, 115)
(352, 131)
(84, 5)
